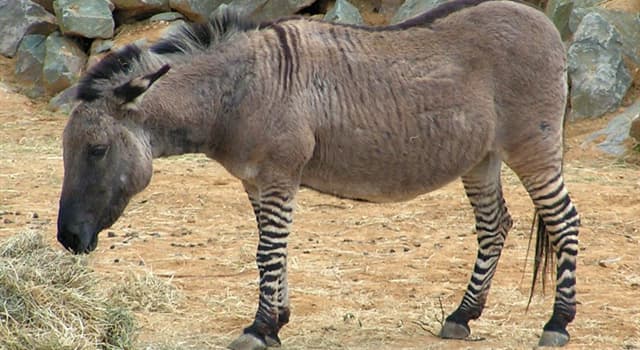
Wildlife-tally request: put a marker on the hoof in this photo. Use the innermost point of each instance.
(273, 341)
(452, 330)
(551, 338)
(247, 341)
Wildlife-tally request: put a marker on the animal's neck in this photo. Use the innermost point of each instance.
(184, 112)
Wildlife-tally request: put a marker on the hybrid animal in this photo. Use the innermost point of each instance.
(370, 113)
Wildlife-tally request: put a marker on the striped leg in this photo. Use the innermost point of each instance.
(493, 222)
(558, 228)
(274, 211)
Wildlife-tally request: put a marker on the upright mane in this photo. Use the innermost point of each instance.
(133, 60)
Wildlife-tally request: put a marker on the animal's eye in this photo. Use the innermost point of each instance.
(98, 151)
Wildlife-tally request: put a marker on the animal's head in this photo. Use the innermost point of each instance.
(107, 159)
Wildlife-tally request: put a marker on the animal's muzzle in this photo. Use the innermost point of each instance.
(77, 236)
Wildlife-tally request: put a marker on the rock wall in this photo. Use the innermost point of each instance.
(54, 41)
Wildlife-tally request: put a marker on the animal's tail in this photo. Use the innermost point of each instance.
(544, 257)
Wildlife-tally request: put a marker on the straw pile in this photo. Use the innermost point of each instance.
(51, 300)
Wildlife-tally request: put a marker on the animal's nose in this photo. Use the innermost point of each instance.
(74, 233)
(68, 238)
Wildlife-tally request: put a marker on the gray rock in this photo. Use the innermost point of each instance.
(86, 18)
(29, 63)
(100, 46)
(64, 61)
(265, 10)
(64, 101)
(599, 77)
(344, 12)
(627, 25)
(560, 12)
(196, 10)
(616, 132)
(411, 8)
(130, 10)
(143, 33)
(19, 18)
(166, 17)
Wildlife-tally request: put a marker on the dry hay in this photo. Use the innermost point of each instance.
(145, 292)
(52, 300)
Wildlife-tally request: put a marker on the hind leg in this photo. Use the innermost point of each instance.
(561, 221)
(493, 222)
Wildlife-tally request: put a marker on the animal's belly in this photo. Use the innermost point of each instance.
(378, 182)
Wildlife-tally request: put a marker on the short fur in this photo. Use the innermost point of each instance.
(376, 114)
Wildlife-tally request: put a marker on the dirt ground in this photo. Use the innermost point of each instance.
(362, 276)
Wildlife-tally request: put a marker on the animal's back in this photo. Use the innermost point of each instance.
(396, 113)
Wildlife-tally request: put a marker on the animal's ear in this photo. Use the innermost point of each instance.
(132, 90)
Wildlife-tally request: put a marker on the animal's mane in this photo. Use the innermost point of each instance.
(194, 38)
(133, 60)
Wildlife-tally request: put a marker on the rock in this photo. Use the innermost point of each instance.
(65, 101)
(131, 10)
(196, 10)
(626, 24)
(29, 63)
(63, 63)
(599, 77)
(411, 8)
(560, 12)
(344, 12)
(19, 18)
(166, 17)
(266, 10)
(144, 33)
(86, 18)
(617, 131)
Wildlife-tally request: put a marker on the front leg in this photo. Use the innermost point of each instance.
(274, 209)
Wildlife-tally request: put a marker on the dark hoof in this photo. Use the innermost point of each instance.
(552, 338)
(273, 341)
(452, 330)
(247, 341)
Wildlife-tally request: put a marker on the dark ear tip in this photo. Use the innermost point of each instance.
(164, 69)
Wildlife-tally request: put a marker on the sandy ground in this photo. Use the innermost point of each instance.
(362, 276)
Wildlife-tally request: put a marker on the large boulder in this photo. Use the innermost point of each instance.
(617, 131)
(64, 62)
(344, 12)
(411, 8)
(560, 13)
(266, 10)
(19, 18)
(626, 24)
(599, 77)
(86, 18)
(196, 10)
(29, 64)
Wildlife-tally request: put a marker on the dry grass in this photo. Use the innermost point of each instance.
(145, 292)
(52, 300)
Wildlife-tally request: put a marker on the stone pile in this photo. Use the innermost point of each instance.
(54, 41)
